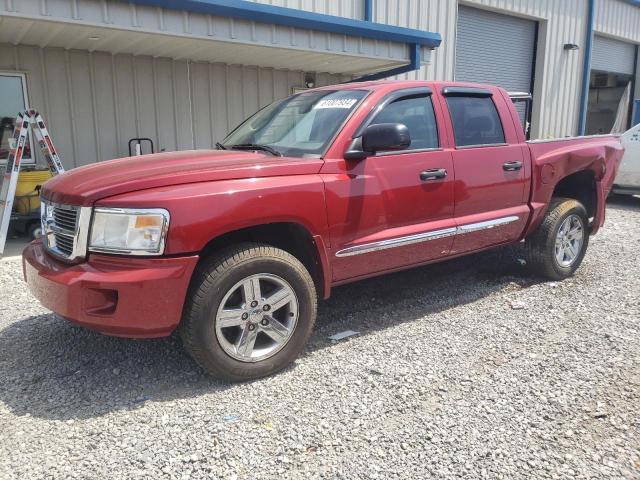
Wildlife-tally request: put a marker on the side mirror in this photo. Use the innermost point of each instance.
(383, 137)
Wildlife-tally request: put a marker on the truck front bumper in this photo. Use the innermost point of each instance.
(124, 297)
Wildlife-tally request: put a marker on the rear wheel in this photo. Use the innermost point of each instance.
(250, 311)
(557, 247)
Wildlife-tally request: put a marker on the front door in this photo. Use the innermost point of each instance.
(491, 171)
(385, 212)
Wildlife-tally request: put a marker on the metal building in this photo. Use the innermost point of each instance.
(184, 72)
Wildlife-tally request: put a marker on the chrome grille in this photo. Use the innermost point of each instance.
(65, 218)
(65, 229)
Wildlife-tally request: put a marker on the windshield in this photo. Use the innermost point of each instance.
(299, 125)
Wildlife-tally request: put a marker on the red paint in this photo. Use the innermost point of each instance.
(149, 293)
(340, 203)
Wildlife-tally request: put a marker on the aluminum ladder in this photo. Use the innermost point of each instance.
(28, 118)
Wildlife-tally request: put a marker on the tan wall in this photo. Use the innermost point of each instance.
(95, 102)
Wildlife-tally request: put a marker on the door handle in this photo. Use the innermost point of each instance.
(433, 174)
(511, 166)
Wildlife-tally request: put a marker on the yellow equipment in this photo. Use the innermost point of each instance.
(28, 190)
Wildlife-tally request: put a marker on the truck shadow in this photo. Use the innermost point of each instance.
(51, 369)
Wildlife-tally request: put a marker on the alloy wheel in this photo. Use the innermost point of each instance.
(256, 317)
(569, 241)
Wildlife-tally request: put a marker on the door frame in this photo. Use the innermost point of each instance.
(25, 94)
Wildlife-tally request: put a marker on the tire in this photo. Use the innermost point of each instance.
(542, 256)
(34, 231)
(220, 283)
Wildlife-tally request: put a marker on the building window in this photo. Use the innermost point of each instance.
(13, 100)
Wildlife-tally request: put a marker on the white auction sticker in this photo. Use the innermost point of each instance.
(336, 103)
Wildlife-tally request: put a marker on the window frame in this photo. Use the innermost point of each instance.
(25, 93)
(388, 99)
(472, 92)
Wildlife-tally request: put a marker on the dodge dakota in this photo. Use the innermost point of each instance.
(233, 246)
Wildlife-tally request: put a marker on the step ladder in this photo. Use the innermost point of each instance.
(17, 143)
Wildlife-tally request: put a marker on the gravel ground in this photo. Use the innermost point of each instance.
(446, 379)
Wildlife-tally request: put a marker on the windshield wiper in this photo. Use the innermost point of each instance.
(257, 146)
(220, 146)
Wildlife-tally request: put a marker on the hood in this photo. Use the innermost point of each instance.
(85, 185)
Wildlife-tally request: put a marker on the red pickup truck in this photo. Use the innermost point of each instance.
(233, 246)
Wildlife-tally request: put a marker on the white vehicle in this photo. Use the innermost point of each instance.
(627, 181)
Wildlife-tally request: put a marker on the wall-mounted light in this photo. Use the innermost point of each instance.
(571, 46)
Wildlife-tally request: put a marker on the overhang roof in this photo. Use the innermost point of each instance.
(258, 12)
(232, 32)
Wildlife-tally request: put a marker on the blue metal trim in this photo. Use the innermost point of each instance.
(635, 3)
(414, 64)
(586, 69)
(290, 17)
(636, 116)
(368, 10)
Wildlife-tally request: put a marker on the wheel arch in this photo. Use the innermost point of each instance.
(290, 236)
(580, 186)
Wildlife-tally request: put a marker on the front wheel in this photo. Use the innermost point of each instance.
(557, 247)
(250, 311)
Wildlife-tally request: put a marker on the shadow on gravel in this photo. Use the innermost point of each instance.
(51, 369)
(624, 202)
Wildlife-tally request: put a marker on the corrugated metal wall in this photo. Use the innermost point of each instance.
(95, 102)
(184, 105)
(618, 19)
(340, 8)
(621, 20)
(556, 106)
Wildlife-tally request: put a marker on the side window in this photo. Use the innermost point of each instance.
(475, 121)
(417, 114)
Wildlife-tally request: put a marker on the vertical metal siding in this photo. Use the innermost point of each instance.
(558, 72)
(95, 102)
(618, 19)
(341, 8)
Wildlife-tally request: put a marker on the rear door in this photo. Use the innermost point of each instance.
(489, 160)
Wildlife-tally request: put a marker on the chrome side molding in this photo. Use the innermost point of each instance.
(424, 236)
(396, 242)
(476, 227)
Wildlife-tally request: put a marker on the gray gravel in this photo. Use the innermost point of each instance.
(470, 368)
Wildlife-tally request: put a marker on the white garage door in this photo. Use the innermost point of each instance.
(613, 55)
(494, 48)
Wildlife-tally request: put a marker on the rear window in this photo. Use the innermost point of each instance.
(475, 121)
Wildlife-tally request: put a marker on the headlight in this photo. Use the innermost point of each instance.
(129, 231)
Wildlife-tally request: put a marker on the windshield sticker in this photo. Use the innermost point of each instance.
(336, 103)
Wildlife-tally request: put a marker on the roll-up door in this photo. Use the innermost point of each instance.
(494, 48)
(613, 56)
